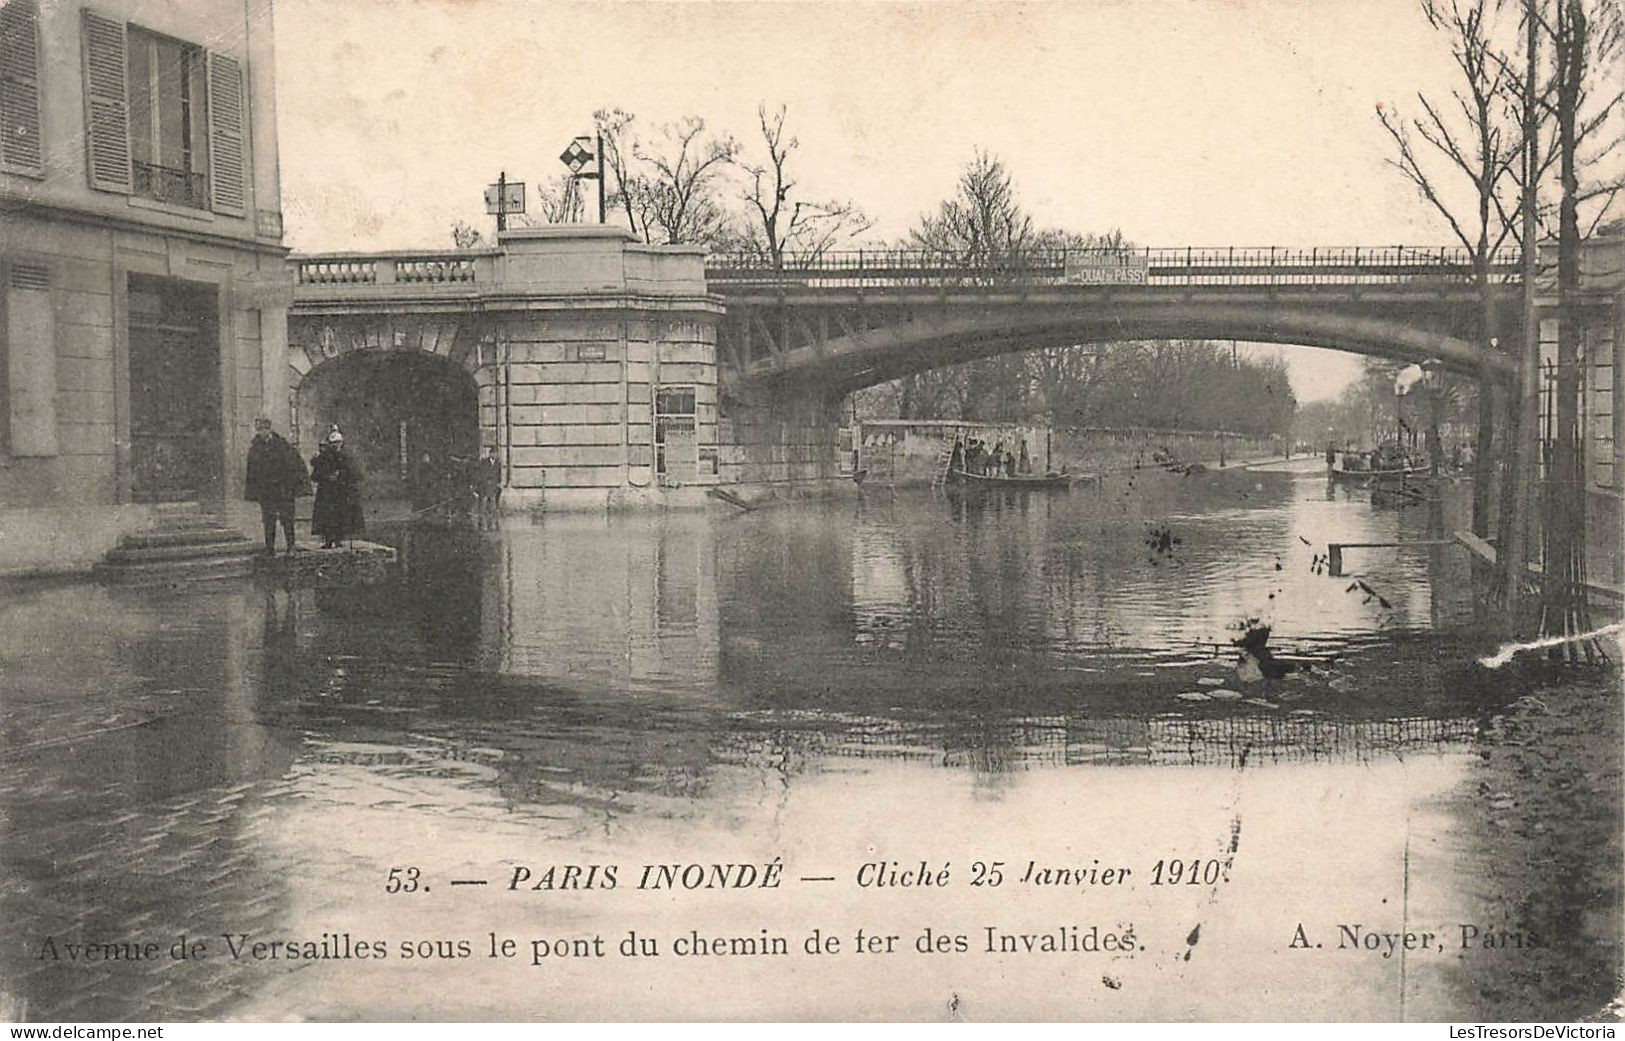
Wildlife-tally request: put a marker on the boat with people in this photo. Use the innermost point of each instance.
(1010, 481)
(1387, 464)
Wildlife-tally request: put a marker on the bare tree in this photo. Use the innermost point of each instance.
(558, 200)
(1586, 42)
(466, 236)
(1475, 137)
(981, 226)
(682, 190)
(782, 225)
(617, 129)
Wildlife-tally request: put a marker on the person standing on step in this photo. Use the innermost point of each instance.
(276, 476)
(336, 517)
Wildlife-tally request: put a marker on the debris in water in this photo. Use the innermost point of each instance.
(1160, 540)
(1209, 681)
(1255, 655)
(1260, 702)
(1224, 694)
(1193, 695)
(1370, 594)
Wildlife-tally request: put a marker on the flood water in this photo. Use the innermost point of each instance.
(906, 680)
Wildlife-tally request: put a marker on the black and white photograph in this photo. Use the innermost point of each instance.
(798, 511)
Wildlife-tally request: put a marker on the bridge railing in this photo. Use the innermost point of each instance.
(368, 269)
(915, 268)
(1177, 266)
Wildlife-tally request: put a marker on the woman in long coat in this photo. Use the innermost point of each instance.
(336, 515)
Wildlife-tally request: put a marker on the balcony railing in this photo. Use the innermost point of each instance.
(348, 269)
(176, 187)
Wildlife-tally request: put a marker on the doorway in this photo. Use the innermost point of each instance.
(177, 444)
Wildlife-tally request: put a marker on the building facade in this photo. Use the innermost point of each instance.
(143, 288)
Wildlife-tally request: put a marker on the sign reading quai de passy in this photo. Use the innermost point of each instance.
(1107, 268)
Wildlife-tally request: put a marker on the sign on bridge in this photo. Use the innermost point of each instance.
(1106, 269)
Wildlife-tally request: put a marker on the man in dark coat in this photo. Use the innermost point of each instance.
(276, 476)
(337, 513)
(489, 486)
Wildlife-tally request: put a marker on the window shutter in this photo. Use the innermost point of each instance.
(20, 150)
(30, 338)
(227, 157)
(107, 104)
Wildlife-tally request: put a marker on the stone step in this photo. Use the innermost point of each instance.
(184, 521)
(199, 536)
(176, 570)
(166, 510)
(231, 547)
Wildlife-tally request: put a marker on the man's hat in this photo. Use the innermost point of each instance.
(335, 438)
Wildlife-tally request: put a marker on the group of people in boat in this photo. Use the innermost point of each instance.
(974, 456)
(1391, 456)
(1385, 457)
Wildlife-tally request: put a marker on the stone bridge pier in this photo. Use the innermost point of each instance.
(786, 437)
(587, 359)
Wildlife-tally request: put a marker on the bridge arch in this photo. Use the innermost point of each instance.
(902, 343)
(408, 416)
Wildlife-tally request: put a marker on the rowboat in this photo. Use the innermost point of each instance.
(1019, 481)
(1337, 473)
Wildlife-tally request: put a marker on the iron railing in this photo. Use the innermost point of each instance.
(164, 184)
(911, 268)
(1177, 266)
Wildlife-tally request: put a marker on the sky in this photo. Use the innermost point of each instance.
(1180, 122)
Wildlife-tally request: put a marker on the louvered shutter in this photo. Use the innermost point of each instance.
(228, 190)
(20, 150)
(30, 339)
(107, 104)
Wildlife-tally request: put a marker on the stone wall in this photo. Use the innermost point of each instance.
(572, 397)
(65, 482)
(782, 439)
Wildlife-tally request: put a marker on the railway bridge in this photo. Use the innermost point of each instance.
(607, 371)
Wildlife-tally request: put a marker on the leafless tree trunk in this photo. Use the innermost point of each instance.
(1476, 143)
(783, 225)
(616, 128)
(683, 202)
(1563, 600)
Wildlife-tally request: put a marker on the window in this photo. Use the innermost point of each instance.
(674, 401)
(20, 148)
(168, 132)
(674, 430)
(28, 353)
(164, 118)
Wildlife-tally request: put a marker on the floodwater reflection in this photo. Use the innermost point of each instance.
(906, 679)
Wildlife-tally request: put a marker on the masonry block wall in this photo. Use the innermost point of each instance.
(790, 436)
(573, 399)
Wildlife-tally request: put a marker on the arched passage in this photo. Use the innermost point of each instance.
(395, 408)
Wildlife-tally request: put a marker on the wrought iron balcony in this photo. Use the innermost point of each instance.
(176, 187)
